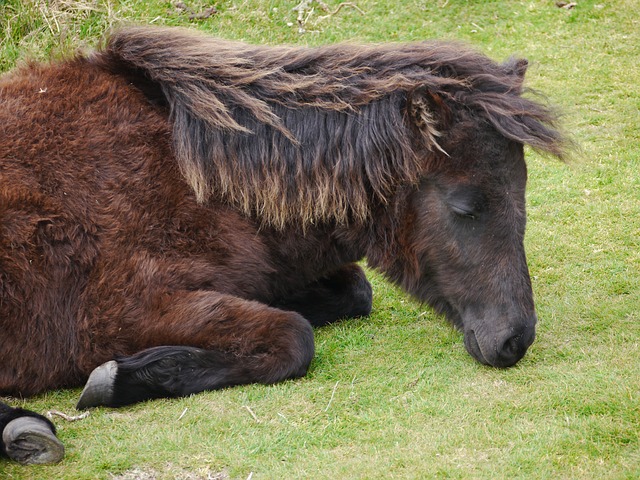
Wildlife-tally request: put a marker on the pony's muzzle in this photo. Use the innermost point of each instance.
(501, 350)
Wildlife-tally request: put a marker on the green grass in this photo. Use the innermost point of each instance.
(396, 395)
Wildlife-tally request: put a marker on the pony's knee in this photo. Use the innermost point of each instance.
(305, 348)
(277, 347)
(292, 354)
(356, 290)
(362, 293)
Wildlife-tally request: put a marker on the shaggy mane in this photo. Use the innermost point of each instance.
(306, 135)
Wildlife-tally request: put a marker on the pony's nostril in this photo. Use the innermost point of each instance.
(511, 346)
(514, 348)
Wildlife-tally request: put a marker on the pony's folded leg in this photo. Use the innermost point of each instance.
(27, 437)
(160, 372)
(177, 371)
(207, 341)
(344, 293)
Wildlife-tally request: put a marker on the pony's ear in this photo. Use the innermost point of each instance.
(517, 67)
(428, 115)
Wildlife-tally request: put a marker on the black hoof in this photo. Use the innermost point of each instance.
(99, 388)
(30, 440)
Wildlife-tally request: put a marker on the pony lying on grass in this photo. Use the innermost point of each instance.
(179, 211)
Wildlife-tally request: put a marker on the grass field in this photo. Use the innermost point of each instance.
(396, 395)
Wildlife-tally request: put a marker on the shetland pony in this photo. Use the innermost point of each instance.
(179, 211)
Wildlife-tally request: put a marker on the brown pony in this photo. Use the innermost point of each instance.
(185, 208)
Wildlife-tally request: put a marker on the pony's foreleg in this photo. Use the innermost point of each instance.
(346, 293)
(28, 437)
(219, 340)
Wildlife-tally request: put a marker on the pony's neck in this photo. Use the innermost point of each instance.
(302, 255)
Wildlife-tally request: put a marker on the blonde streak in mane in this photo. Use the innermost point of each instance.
(192, 171)
(342, 203)
(260, 110)
(198, 98)
(196, 180)
(321, 199)
(311, 203)
(431, 132)
(272, 198)
(226, 187)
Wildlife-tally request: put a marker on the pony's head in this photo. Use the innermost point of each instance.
(460, 236)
